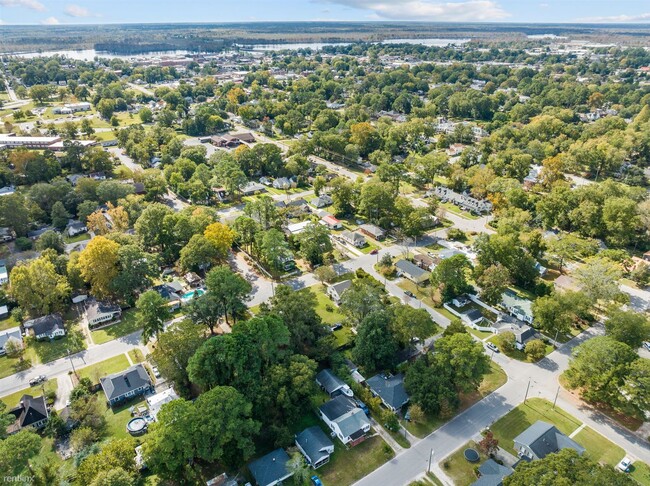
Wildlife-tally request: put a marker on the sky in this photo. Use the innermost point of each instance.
(52, 12)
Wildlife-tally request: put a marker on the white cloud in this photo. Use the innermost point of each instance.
(31, 4)
(50, 21)
(614, 19)
(432, 10)
(77, 11)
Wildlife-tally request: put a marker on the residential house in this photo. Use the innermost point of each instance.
(375, 232)
(155, 402)
(346, 419)
(471, 316)
(192, 279)
(322, 201)
(411, 272)
(332, 384)
(331, 222)
(126, 384)
(30, 412)
(335, 291)
(172, 292)
(354, 238)
(541, 269)
(76, 228)
(464, 201)
(99, 313)
(7, 190)
(517, 306)
(271, 469)
(284, 183)
(315, 446)
(245, 137)
(390, 389)
(542, 439)
(12, 334)
(4, 311)
(425, 262)
(297, 228)
(46, 327)
(491, 473)
(251, 188)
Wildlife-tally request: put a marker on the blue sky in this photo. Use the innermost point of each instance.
(121, 11)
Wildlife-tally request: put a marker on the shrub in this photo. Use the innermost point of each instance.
(456, 234)
(23, 244)
(535, 349)
(506, 341)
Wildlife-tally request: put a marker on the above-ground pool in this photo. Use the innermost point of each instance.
(471, 455)
(190, 295)
(136, 426)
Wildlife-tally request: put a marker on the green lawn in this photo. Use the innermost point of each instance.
(599, 448)
(422, 293)
(346, 466)
(519, 419)
(136, 356)
(117, 417)
(46, 351)
(12, 400)
(369, 247)
(126, 326)
(77, 238)
(491, 382)
(9, 366)
(343, 336)
(103, 368)
(479, 334)
(326, 309)
(640, 472)
(8, 323)
(460, 469)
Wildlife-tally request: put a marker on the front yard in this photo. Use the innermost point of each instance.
(346, 466)
(103, 368)
(599, 448)
(491, 382)
(460, 469)
(127, 325)
(36, 391)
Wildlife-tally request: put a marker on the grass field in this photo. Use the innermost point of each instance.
(640, 472)
(491, 382)
(348, 465)
(103, 368)
(459, 469)
(46, 351)
(136, 356)
(12, 400)
(117, 417)
(126, 326)
(325, 308)
(519, 419)
(8, 323)
(599, 448)
(77, 238)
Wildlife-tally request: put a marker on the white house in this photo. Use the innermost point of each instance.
(155, 402)
(98, 313)
(10, 335)
(354, 238)
(345, 419)
(335, 291)
(46, 327)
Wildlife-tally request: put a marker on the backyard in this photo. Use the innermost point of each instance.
(118, 416)
(127, 325)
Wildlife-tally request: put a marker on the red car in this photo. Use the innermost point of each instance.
(374, 252)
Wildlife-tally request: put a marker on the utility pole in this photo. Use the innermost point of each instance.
(527, 388)
(71, 362)
(430, 457)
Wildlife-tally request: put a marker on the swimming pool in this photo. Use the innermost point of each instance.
(190, 295)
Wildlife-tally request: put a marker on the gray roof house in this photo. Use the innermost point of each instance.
(335, 291)
(322, 201)
(390, 389)
(373, 231)
(492, 473)
(99, 313)
(332, 384)
(30, 412)
(315, 446)
(270, 469)
(472, 316)
(542, 439)
(344, 417)
(46, 327)
(411, 271)
(517, 306)
(354, 238)
(126, 384)
(12, 334)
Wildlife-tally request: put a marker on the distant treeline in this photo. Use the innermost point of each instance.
(127, 47)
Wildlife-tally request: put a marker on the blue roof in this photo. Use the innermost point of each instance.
(270, 468)
(389, 389)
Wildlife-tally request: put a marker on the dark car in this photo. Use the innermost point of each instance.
(374, 252)
(36, 380)
(409, 293)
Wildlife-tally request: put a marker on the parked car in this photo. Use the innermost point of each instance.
(316, 481)
(409, 293)
(37, 379)
(646, 344)
(625, 464)
(492, 347)
(154, 370)
(336, 327)
(374, 252)
(362, 406)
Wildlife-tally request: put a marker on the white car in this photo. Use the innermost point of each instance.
(155, 371)
(646, 344)
(492, 347)
(625, 464)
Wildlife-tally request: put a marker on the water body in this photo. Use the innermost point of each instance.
(90, 54)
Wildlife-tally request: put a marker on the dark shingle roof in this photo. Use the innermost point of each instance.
(45, 324)
(543, 439)
(337, 407)
(315, 443)
(270, 468)
(492, 474)
(30, 410)
(118, 384)
(329, 381)
(409, 268)
(390, 389)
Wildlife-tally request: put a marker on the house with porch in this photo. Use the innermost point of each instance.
(46, 327)
(126, 384)
(31, 412)
(345, 419)
(411, 272)
(100, 313)
(315, 446)
(271, 469)
(390, 389)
